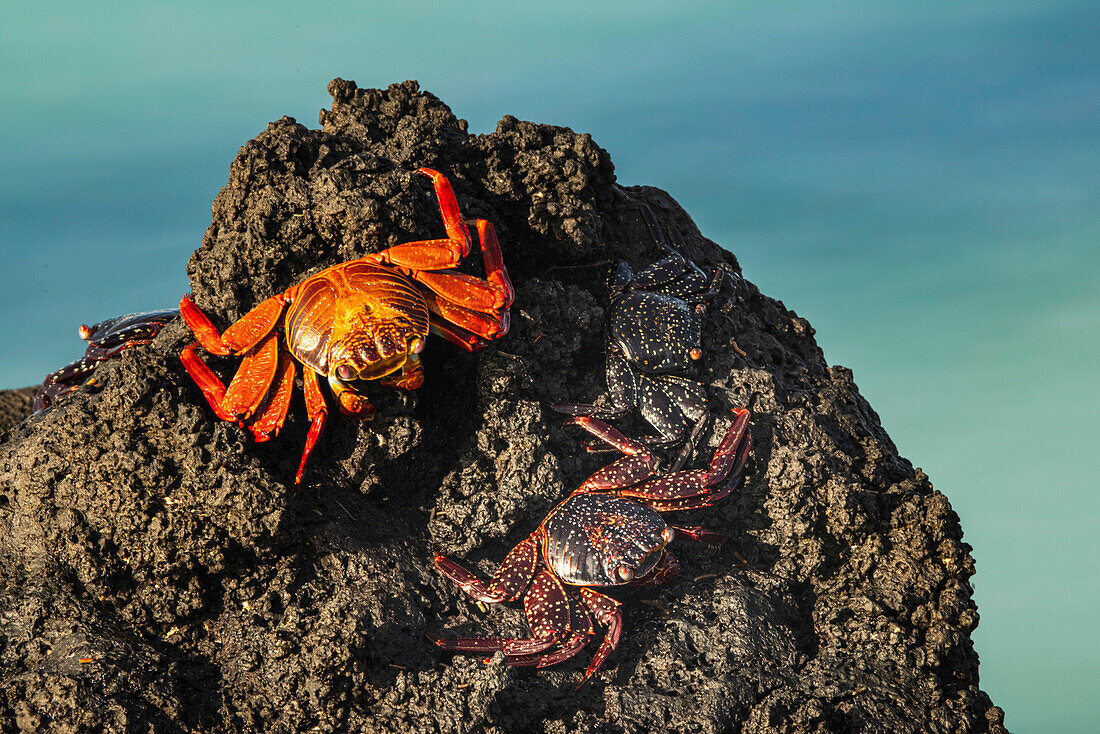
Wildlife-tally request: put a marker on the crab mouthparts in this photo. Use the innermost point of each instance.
(383, 367)
(625, 571)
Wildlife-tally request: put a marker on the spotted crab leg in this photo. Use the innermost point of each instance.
(622, 389)
(688, 447)
(606, 611)
(689, 490)
(733, 451)
(548, 614)
(573, 640)
(667, 402)
(700, 535)
(509, 581)
(676, 274)
(635, 476)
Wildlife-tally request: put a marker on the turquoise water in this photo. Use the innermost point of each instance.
(920, 181)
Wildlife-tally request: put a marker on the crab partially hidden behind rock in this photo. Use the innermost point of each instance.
(608, 532)
(654, 337)
(105, 340)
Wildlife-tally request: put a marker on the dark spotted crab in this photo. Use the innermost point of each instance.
(654, 336)
(105, 340)
(365, 319)
(606, 533)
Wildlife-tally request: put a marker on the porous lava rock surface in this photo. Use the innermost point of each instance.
(15, 405)
(160, 572)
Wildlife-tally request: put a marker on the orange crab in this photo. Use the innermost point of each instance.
(365, 319)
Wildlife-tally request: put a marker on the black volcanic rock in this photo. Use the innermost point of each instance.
(160, 572)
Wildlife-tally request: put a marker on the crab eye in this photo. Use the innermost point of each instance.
(668, 534)
(625, 573)
(344, 372)
(416, 346)
(696, 353)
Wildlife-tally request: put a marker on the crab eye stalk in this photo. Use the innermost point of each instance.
(625, 573)
(345, 372)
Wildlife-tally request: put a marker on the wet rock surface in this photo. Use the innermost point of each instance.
(160, 572)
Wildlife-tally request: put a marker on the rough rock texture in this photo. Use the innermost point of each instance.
(15, 405)
(160, 572)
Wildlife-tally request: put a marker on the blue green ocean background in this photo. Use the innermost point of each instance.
(921, 181)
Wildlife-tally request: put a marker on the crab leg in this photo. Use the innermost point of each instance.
(479, 306)
(547, 609)
(625, 472)
(509, 581)
(700, 535)
(212, 388)
(270, 417)
(672, 268)
(564, 651)
(464, 290)
(253, 379)
(669, 489)
(457, 335)
(635, 476)
(433, 254)
(242, 335)
(580, 633)
(606, 611)
(317, 412)
(491, 295)
(610, 435)
(493, 261)
(622, 390)
(469, 319)
(733, 451)
(688, 448)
